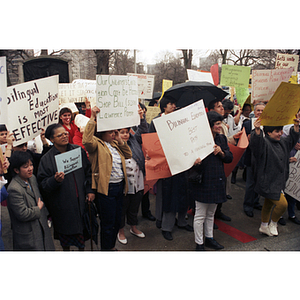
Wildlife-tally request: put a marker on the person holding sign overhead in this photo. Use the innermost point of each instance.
(65, 194)
(272, 154)
(107, 153)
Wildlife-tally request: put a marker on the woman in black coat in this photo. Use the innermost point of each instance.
(65, 195)
(207, 184)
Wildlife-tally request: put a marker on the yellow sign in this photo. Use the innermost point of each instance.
(166, 84)
(283, 106)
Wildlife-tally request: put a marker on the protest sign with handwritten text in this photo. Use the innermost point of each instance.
(185, 135)
(145, 85)
(292, 186)
(287, 61)
(117, 98)
(3, 104)
(265, 83)
(283, 106)
(237, 76)
(31, 106)
(69, 161)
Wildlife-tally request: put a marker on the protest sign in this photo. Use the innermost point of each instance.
(265, 83)
(287, 61)
(194, 75)
(298, 77)
(283, 106)
(3, 104)
(237, 76)
(31, 106)
(237, 152)
(214, 70)
(145, 85)
(292, 186)
(77, 91)
(152, 112)
(166, 84)
(117, 98)
(69, 161)
(241, 95)
(185, 135)
(157, 166)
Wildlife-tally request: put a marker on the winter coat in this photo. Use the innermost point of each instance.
(271, 162)
(29, 223)
(65, 200)
(207, 181)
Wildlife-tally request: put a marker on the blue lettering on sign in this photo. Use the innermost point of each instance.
(1, 69)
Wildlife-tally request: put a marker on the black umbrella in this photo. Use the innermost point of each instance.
(191, 91)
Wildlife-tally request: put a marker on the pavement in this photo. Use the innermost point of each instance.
(240, 234)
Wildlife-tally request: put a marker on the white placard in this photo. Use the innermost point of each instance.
(266, 82)
(292, 186)
(145, 85)
(287, 61)
(69, 161)
(199, 76)
(32, 106)
(185, 135)
(117, 98)
(3, 83)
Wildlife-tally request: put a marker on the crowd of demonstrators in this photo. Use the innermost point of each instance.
(112, 176)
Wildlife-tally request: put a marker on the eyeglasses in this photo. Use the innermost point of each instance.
(62, 134)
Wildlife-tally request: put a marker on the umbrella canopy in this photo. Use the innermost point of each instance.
(191, 91)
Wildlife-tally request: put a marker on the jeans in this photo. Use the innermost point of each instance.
(204, 215)
(110, 212)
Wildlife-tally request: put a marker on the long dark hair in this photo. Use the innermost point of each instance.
(63, 111)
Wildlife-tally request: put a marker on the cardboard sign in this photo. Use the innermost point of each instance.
(32, 105)
(287, 61)
(199, 76)
(283, 106)
(266, 82)
(3, 104)
(292, 186)
(69, 161)
(185, 135)
(145, 85)
(117, 98)
(152, 112)
(237, 76)
(237, 152)
(157, 166)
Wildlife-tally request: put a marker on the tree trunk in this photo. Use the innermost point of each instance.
(102, 61)
(187, 59)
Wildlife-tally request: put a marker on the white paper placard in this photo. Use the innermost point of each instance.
(69, 161)
(292, 186)
(185, 135)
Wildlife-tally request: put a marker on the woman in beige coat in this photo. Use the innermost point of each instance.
(107, 153)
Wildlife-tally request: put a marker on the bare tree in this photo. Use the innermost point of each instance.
(187, 59)
(103, 57)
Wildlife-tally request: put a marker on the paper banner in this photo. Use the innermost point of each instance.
(266, 82)
(284, 61)
(157, 166)
(283, 106)
(69, 161)
(32, 105)
(292, 186)
(117, 98)
(185, 135)
(3, 83)
(237, 76)
(145, 85)
(237, 152)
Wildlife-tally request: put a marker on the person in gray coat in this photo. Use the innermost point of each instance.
(27, 212)
(271, 170)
